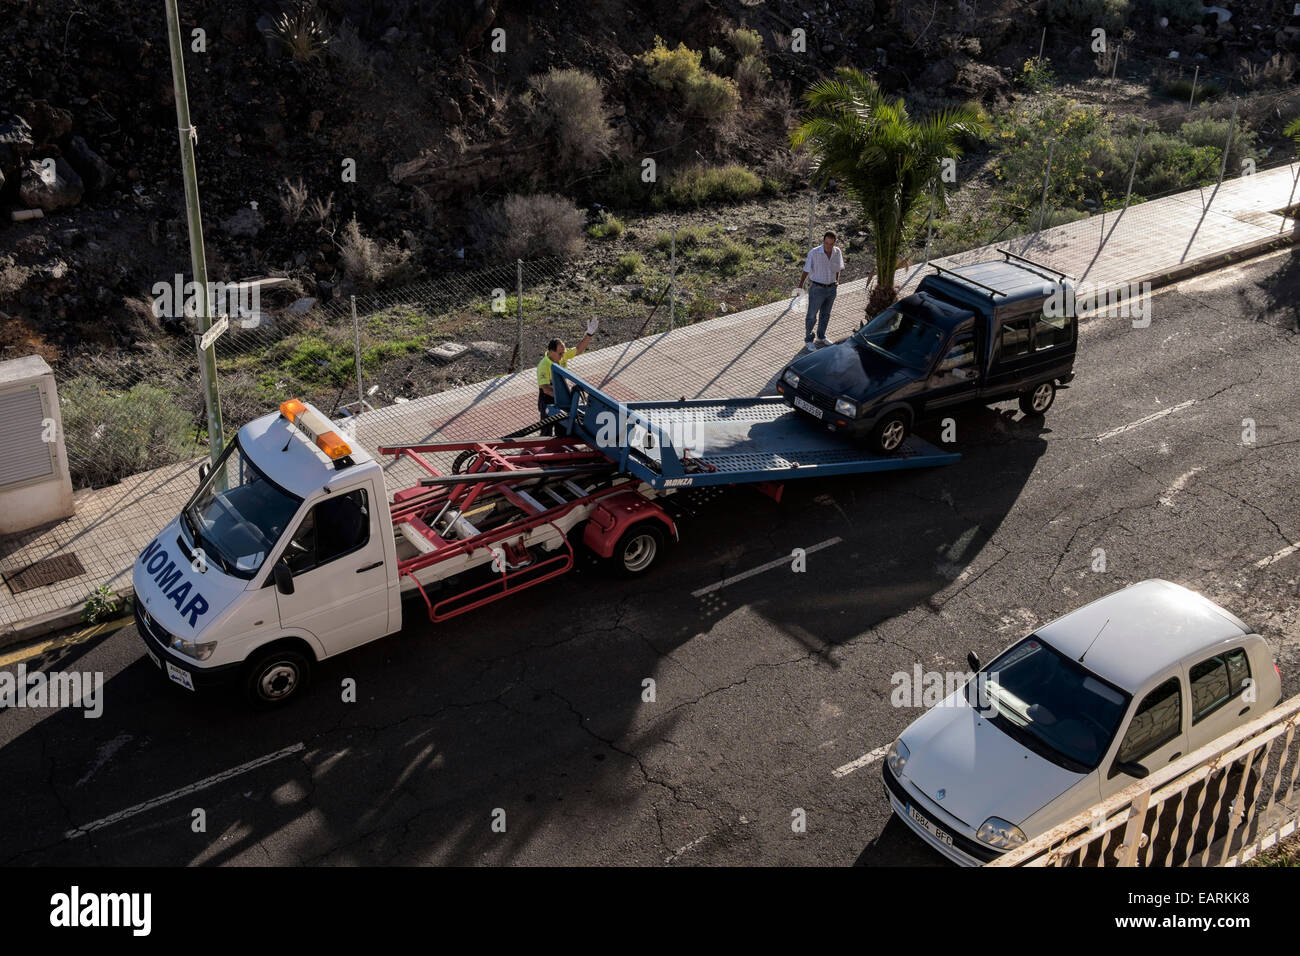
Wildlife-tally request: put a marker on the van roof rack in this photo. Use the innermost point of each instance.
(958, 275)
(1037, 265)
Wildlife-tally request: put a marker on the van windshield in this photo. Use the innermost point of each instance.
(902, 337)
(1050, 704)
(238, 514)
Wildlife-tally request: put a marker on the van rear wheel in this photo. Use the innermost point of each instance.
(1039, 400)
(277, 676)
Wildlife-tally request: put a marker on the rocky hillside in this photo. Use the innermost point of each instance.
(430, 103)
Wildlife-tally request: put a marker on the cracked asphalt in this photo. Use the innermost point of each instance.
(534, 711)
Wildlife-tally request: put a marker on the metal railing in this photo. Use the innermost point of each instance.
(1221, 805)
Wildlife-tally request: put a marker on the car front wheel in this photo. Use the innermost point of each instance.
(1039, 400)
(889, 434)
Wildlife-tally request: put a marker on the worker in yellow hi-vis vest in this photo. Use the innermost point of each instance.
(557, 354)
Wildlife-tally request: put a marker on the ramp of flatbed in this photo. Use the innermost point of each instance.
(727, 441)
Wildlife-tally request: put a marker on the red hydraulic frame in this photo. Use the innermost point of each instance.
(505, 467)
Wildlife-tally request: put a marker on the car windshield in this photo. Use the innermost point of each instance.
(904, 338)
(238, 514)
(1050, 703)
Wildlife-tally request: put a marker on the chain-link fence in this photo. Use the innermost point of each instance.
(1051, 161)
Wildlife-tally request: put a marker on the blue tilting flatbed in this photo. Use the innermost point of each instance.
(678, 444)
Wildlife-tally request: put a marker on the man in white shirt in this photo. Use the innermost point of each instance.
(822, 268)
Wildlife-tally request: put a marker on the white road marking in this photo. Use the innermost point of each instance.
(1278, 555)
(1143, 421)
(690, 846)
(779, 562)
(177, 794)
(1167, 499)
(864, 760)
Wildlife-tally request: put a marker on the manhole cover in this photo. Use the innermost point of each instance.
(44, 572)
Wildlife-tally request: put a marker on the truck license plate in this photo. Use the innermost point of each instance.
(940, 835)
(808, 407)
(180, 676)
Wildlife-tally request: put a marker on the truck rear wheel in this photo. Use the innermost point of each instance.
(638, 549)
(889, 434)
(1039, 400)
(277, 676)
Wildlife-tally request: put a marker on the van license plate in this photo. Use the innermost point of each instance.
(941, 835)
(180, 676)
(808, 407)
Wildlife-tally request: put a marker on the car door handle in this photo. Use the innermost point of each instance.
(1175, 756)
(370, 567)
(1243, 712)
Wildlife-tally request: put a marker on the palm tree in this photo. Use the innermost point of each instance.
(886, 160)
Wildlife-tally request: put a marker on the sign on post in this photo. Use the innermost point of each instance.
(213, 333)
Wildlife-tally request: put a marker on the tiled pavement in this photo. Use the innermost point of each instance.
(737, 354)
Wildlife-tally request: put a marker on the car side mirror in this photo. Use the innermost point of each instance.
(283, 577)
(205, 469)
(1132, 768)
(972, 661)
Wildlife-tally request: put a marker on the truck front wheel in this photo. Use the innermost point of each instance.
(277, 676)
(1039, 400)
(638, 549)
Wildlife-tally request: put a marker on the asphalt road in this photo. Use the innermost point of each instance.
(764, 687)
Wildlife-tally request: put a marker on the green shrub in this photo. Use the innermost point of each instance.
(1036, 75)
(572, 115)
(113, 435)
(628, 265)
(697, 185)
(745, 42)
(726, 257)
(700, 93)
(609, 227)
(688, 237)
(751, 74)
(1108, 14)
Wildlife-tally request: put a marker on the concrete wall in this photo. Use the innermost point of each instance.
(31, 501)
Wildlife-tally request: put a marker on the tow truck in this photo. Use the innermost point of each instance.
(292, 551)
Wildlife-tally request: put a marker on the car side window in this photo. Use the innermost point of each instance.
(1015, 337)
(1216, 681)
(960, 354)
(333, 528)
(1157, 720)
(1051, 331)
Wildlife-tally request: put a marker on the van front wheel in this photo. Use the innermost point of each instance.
(277, 676)
(1039, 400)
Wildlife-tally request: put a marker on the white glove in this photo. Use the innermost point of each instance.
(592, 326)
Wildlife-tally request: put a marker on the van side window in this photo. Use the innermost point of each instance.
(1015, 337)
(1051, 331)
(1216, 681)
(330, 530)
(1158, 720)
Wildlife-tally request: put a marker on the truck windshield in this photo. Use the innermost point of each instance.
(238, 514)
(904, 338)
(1050, 704)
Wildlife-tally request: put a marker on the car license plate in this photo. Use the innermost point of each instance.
(154, 657)
(180, 676)
(808, 407)
(940, 835)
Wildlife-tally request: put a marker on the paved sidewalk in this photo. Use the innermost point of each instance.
(739, 354)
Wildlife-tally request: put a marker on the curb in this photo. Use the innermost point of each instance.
(32, 628)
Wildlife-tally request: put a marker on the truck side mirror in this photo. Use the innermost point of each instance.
(972, 661)
(204, 470)
(283, 577)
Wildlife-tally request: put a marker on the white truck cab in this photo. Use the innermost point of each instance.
(281, 556)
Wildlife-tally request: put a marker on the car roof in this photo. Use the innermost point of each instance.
(938, 312)
(1132, 635)
(1018, 282)
(291, 460)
